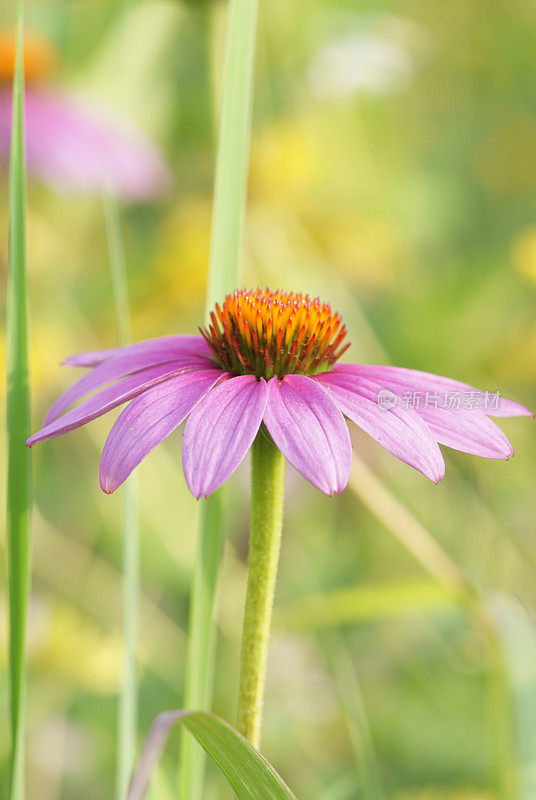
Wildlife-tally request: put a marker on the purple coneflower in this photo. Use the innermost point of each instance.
(69, 145)
(268, 360)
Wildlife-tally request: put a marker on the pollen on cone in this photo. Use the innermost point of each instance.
(267, 333)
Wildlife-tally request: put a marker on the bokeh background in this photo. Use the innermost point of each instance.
(393, 173)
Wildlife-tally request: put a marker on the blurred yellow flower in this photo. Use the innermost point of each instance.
(366, 250)
(524, 252)
(69, 645)
(286, 161)
(182, 258)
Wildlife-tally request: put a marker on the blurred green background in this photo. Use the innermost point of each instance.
(393, 173)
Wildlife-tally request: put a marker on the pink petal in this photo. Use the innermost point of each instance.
(126, 362)
(74, 146)
(109, 398)
(308, 428)
(171, 346)
(401, 379)
(220, 431)
(401, 431)
(468, 431)
(146, 422)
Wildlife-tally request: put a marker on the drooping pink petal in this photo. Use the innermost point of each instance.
(220, 431)
(73, 146)
(308, 428)
(468, 431)
(401, 379)
(172, 347)
(509, 408)
(148, 420)
(120, 365)
(105, 400)
(401, 431)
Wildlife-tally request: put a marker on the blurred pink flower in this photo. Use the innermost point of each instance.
(75, 146)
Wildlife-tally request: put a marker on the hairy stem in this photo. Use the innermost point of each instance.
(267, 492)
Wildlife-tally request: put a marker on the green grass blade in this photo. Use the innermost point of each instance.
(246, 770)
(353, 707)
(232, 161)
(224, 275)
(407, 529)
(366, 781)
(516, 635)
(18, 427)
(201, 639)
(118, 268)
(128, 698)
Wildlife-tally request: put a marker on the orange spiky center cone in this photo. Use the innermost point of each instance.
(39, 55)
(274, 333)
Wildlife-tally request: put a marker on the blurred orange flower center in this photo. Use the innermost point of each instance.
(267, 333)
(40, 55)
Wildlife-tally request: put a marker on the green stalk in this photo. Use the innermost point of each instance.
(19, 468)
(230, 185)
(201, 640)
(232, 159)
(128, 698)
(118, 268)
(267, 493)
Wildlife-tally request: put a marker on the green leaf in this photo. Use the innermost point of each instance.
(248, 773)
(18, 427)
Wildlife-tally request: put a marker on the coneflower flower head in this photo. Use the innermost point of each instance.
(271, 359)
(266, 334)
(70, 144)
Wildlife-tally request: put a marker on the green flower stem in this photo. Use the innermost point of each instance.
(267, 493)
(128, 698)
(19, 472)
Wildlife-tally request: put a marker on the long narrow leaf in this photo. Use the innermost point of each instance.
(248, 773)
(18, 426)
(230, 184)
